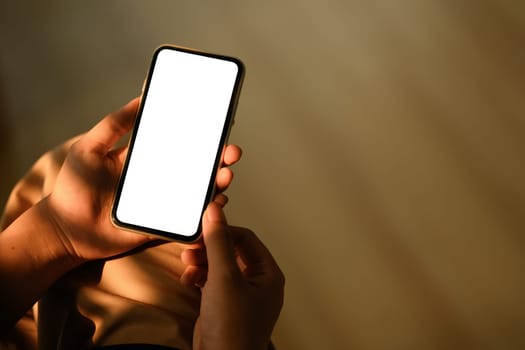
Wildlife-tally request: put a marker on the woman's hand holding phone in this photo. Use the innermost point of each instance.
(82, 198)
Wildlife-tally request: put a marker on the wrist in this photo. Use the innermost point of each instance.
(53, 235)
(32, 258)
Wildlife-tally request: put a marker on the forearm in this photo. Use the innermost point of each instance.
(32, 258)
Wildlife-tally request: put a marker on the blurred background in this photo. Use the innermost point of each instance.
(384, 147)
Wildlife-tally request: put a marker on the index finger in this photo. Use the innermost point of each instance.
(115, 125)
(219, 246)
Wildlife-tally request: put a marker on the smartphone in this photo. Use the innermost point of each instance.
(184, 119)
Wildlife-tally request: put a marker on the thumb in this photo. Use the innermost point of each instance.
(218, 242)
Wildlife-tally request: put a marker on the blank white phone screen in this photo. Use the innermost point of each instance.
(177, 141)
